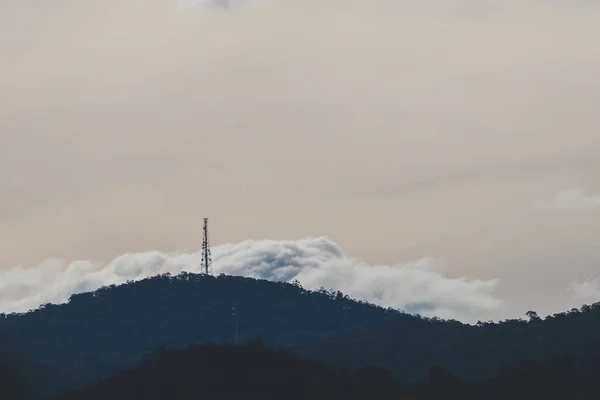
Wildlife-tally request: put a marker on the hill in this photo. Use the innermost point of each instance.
(473, 353)
(257, 372)
(99, 333)
(13, 384)
(235, 372)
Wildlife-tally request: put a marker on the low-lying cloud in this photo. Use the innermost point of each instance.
(188, 4)
(586, 292)
(416, 287)
(575, 199)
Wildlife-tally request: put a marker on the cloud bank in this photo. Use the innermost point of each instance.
(575, 199)
(586, 292)
(188, 4)
(416, 287)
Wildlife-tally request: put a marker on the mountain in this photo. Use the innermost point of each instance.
(253, 371)
(473, 353)
(224, 372)
(12, 382)
(99, 333)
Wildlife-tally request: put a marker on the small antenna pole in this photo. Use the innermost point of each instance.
(206, 260)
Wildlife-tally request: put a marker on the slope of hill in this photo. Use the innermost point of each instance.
(472, 353)
(235, 372)
(12, 382)
(96, 334)
(256, 372)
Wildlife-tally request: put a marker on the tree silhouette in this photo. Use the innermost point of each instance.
(533, 316)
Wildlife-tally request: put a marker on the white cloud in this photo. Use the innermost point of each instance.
(575, 199)
(187, 4)
(416, 286)
(585, 292)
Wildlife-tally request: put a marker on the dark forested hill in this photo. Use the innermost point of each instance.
(96, 334)
(232, 372)
(473, 353)
(253, 371)
(12, 380)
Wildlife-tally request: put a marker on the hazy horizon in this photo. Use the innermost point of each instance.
(461, 131)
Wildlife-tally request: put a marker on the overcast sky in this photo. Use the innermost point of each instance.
(466, 131)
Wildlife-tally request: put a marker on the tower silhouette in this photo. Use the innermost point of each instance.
(206, 261)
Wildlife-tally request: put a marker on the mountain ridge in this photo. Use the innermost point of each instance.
(97, 334)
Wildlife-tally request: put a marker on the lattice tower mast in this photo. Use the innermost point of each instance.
(206, 260)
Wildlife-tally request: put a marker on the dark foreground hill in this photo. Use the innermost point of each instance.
(256, 372)
(472, 353)
(96, 334)
(235, 372)
(12, 375)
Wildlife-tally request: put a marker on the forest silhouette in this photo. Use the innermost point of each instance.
(179, 331)
(253, 371)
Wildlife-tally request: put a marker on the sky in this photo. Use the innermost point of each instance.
(437, 152)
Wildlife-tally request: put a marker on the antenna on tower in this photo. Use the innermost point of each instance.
(206, 261)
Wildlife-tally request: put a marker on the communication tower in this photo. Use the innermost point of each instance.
(206, 261)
